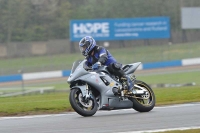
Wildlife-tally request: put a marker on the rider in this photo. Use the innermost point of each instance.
(98, 55)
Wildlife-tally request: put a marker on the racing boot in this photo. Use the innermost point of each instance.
(129, 84)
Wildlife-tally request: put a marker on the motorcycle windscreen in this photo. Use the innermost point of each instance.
(75, 65)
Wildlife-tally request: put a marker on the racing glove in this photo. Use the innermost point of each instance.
(96, 66)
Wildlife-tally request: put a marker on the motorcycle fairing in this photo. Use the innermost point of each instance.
(96, 80)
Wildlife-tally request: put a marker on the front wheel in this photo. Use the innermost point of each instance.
(144, 102)
(84, 107)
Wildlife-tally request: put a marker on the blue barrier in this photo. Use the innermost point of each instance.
(162, 64)
(152, 65)
(66, 73)
(10, 78)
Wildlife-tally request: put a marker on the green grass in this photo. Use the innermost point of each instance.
(58, 102)
(166, 96)
(54, 86)
(155, 53)
(59, 86)
(35, 104)
(177, 94)
(182, 131)
(40, 63)
(177, 78)
(130, 54)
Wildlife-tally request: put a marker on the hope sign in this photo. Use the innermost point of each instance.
(91, 28)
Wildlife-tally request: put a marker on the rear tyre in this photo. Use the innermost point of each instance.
(80, 105)
(148, 102)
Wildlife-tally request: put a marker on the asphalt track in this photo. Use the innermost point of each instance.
(184, 116)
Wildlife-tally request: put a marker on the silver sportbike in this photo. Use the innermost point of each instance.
(100, 90)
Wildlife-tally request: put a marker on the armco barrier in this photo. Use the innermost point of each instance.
(66, 73)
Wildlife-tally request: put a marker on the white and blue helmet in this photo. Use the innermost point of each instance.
(86, 45)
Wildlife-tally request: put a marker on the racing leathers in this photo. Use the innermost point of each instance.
(101, 56)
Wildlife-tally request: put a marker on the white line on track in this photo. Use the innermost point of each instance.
(162, 130)
(34, 116)
(179, 105)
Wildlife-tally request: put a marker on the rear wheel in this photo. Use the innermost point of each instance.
(84, 107)
(144, 102)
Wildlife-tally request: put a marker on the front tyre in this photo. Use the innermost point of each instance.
(145, 102)
(80, 105)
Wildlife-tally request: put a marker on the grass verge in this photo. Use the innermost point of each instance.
(183, 131)
(172, 78)
(58, 102)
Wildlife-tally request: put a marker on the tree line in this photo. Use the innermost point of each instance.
(40, 20)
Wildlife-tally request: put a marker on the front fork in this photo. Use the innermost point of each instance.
(88, 93)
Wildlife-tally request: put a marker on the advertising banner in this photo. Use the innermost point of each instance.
(121, 29)
(190, 18)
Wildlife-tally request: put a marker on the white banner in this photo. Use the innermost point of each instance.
(190, 17)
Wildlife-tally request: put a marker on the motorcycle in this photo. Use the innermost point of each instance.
(91, 91)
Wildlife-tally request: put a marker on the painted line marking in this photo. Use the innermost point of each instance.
(162, 130)
(35, 116)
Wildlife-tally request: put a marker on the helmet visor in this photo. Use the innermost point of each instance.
(83, 46)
